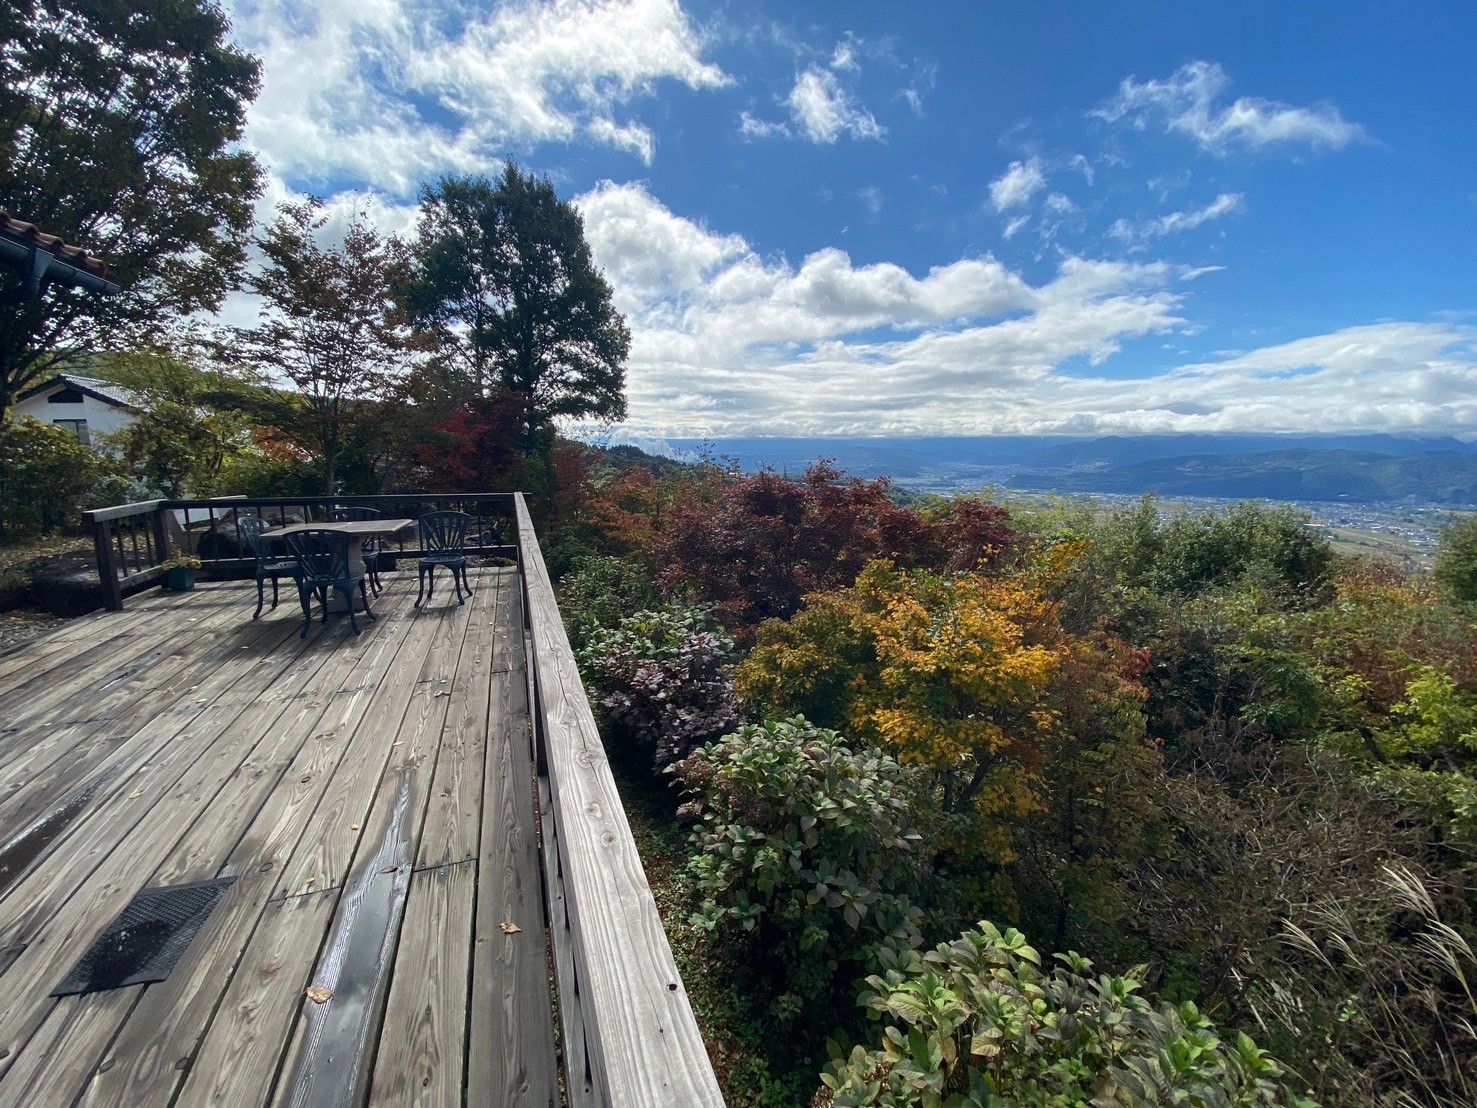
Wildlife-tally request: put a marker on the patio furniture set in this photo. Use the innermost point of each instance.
(344, 554)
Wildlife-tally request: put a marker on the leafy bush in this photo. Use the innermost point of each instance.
(755, 546)
(805, 845)
(971, 676)
(598, 591)
(268, 472)
(1272, 545)
(663, 679)
(47, 478)
(978, 1022)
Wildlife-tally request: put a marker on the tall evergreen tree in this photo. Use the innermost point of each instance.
(504, 280)
(118, 124)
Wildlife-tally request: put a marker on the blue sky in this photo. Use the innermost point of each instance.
(947, 218)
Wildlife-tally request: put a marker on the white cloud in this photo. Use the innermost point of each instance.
(729, 342)
(823, 110)
(392, 92)
(925, 79)
(1016, 226)
(872, 199)
(844, 56)
(1227, 203)
(751, 127)
(1016, 186)
(1189, 102)
(633, 137)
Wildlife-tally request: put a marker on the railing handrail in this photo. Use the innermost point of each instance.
(120, 511)
(643, 1046)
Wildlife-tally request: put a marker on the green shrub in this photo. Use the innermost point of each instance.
(977, 1021)
(806, 846)
(600, 590)
(47, 478)
(256, 473)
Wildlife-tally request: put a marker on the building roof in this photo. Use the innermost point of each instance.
(106, 391)
(30, 235)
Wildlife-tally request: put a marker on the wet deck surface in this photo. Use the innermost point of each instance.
(371, 797)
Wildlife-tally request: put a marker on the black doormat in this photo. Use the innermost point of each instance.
(143, 944)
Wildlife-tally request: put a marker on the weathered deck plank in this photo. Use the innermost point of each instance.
(169, 1023)
(453, 813)
(332, 1066)
(423, 1038)
(510, 986)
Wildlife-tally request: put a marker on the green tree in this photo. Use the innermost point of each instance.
(1456, 559)
(47, 477)
(118, 131)
(331, 327)
(504, 281)
(187, 428)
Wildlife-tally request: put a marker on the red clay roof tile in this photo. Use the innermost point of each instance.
(21, 231)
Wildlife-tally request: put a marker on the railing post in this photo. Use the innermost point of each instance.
(161, 536)
(107, 565)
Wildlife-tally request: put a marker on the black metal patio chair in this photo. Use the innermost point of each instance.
(268, 564)
(444, 538)
(370, 547)
(323, 559)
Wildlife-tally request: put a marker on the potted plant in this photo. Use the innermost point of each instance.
(179, 571)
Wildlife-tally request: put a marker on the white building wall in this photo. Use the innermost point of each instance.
(102, 418)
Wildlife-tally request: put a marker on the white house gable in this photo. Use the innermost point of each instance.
(86, 406)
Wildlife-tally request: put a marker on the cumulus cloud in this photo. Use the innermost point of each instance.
(1227, 203)
(1190, 102)
(392, 92)
(823, 111)
(1016, 186)
(727, 341)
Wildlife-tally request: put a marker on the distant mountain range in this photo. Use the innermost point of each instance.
(1362, 468)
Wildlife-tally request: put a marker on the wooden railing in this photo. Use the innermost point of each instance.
(133, 541)
(629, 1037)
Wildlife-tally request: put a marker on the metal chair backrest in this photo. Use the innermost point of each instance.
(251, 528)
(444, 532)
(352, 515)
(322, 555)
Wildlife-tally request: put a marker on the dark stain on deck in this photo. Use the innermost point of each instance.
(333, 1067)
(21, 852)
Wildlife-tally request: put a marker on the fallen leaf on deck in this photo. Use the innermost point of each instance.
(319, 993)
(135, 796)
(446, 692)
(389, 869)
(509, 928)
(353, 827)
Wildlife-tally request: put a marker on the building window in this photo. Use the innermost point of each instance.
(78, 427)
(65, 396)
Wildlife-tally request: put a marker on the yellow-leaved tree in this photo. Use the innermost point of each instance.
(1034, 737)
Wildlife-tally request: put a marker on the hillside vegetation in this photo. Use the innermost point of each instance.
(1062, 807)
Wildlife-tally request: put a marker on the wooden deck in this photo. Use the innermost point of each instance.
(373, 799)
